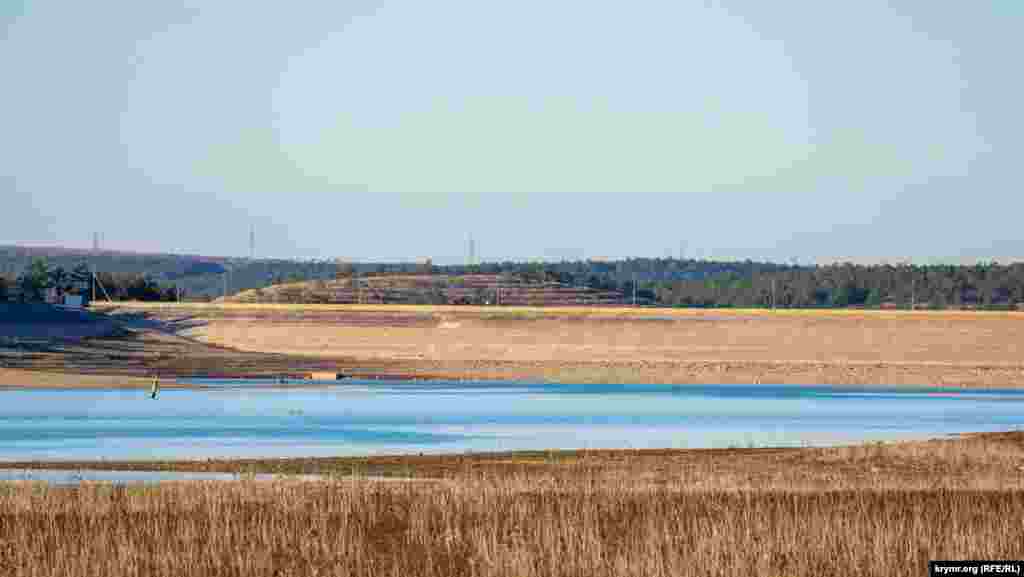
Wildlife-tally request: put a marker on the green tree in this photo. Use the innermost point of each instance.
(874, 298)
(35, 280)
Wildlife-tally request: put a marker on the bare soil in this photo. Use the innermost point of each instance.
(923, 348)
(962, 349)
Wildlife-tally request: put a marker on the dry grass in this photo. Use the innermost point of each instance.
(496, 526)
(877, 509)
(983, 461)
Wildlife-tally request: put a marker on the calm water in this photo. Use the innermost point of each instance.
(357, 418)
(58, 477)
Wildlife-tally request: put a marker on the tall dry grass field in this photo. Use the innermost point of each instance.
(556, 525)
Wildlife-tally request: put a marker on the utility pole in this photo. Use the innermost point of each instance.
(773, 293)
(102, 288)
(913, 289)
(634, 289)
(913, 285)
(252, 242)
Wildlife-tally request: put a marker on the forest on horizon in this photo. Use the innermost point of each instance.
(657, 281)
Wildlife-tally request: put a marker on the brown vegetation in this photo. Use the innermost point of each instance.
(435, 289)
(496, 527)
(566, 514)
(976, 461)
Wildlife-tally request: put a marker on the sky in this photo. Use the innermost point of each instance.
(794, 130)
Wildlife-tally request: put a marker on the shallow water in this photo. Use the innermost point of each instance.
(372, 417)
(62, 477)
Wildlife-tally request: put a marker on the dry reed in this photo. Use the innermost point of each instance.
(519, 525)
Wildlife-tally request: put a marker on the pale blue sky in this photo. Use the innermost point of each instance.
(392, 130)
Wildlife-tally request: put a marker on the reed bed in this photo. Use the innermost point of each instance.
(984, 461)
(519, 525)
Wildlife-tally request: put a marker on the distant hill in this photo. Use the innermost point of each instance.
(13, 259)
(662, 281)
(203, 277)
(200, 276)
(476, 289)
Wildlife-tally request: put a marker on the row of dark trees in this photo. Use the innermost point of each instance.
(39, 276)
(658, 281)
(672, 282)
(129, 287)
(990, 286)
(692, 283)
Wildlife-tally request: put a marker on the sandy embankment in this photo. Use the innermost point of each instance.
(966, 349)
(18, 378)
(970, 349)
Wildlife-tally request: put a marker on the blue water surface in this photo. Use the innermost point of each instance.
(229, 419)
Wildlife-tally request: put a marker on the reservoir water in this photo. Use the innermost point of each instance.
(372, 417)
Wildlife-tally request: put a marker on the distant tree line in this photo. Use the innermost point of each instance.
(673, 282)
(989, 286)
(128, 287)
(657, 281)
(39, 277)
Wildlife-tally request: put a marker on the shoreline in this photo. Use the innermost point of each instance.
(29, 379)
(960, 349)
(701, 374)
(388, 464)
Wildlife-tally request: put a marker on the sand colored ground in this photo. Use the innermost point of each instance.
(16, 378)
(974, 349)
